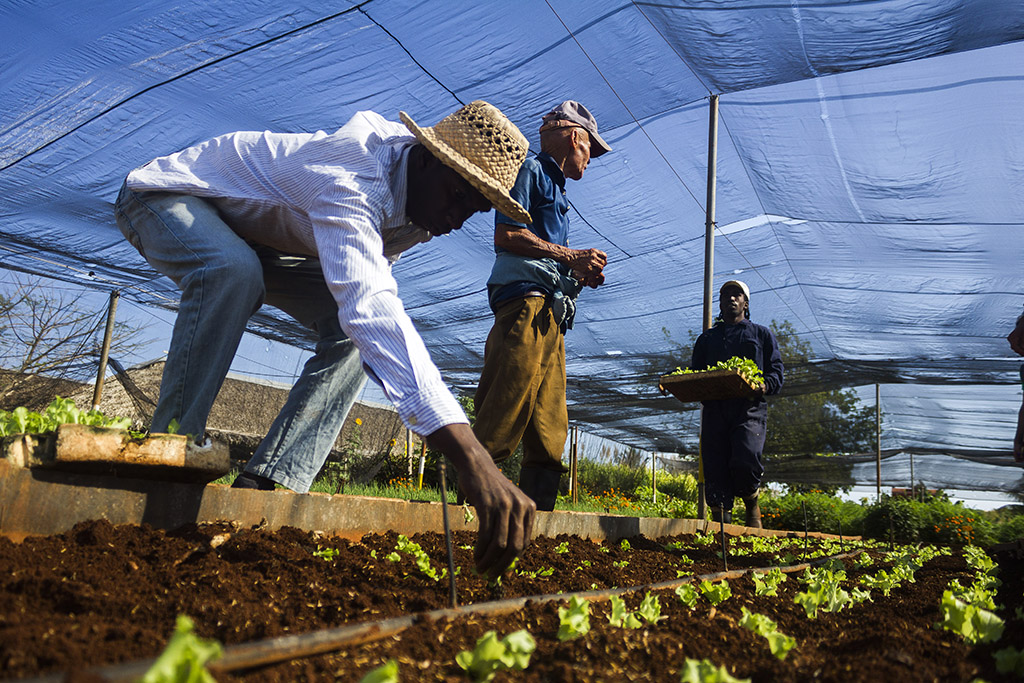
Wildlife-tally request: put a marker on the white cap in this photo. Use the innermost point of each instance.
(741, 285)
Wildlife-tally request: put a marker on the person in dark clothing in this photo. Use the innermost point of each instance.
(733, 430)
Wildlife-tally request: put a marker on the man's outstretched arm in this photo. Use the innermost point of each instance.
(506, 513)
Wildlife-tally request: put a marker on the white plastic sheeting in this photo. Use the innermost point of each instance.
(870, 169)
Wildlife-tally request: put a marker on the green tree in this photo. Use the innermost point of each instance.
(832, 421)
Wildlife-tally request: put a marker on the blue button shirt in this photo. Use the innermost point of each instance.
(540, 188)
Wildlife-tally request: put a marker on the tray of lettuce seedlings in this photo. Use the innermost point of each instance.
(734, 378)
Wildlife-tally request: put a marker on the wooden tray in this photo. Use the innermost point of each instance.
(710, 385)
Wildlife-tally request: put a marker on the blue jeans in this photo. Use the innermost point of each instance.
(223, 281)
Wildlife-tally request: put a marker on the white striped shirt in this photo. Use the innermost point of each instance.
(339, 197)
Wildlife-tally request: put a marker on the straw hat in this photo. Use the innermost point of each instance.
(484, 147)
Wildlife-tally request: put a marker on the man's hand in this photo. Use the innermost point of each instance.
(592, 281)
(506, 514)
(587, 262)
(1016, 338)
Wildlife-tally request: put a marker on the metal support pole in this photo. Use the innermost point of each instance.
(408, 453)
(108, 335)
(654, 478)
(709, 261)
(423, 461)
(878, 443)
(574, 465)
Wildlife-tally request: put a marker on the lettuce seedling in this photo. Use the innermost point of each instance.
(703, 671)
(1010, 660)
(824, 591)
(185, 657)
(326, 554)
(419, 556)
(975, 624)
(716, 593)
(385, 673)
(650, 609)
(624, 544)
(620, 616)
(688, 594)
(492, 655)
(562, 548)
(779, 643)
(574, 621)
(768, 583)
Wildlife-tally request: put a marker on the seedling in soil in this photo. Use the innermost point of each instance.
(824, 591)
(385, 673)
(625, 545)
(779, 643)
(716, 593)
(419, 556)
(650, 609)
(975, 624)
(620, 616)
(621, 564)
(704, 539)
(562, 548)
(1010, 660)
(185, 657)
(492, 655)
(688, 594)
(768, 583)
(703, 671)
(574, 620)
(331, 554)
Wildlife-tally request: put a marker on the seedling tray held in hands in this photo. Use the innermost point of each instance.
(710, 385)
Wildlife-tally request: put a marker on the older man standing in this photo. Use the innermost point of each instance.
(311, 223)
(532, 291)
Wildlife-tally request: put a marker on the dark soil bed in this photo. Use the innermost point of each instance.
(101, 594)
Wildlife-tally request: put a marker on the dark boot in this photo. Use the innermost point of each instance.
(753, 511)
(720, 514)
(541, 486)
(247, 480)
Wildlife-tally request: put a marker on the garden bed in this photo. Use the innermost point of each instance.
(102, 594)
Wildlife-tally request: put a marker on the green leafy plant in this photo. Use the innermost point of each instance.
(326, 554)
(1010, 660)
(419, 556)
(185, 657)
(620, 564)
(385, 673)
(491, 655)
(703, 671)
(778, 643)
(745, 366)
(824, 591)
(562, 548)
(574, 620)
(620, 615)
(974, 624)
(768, 583)
(688, 594)
(650, 609)
(715, 593)
(624, 544)
(60, 411)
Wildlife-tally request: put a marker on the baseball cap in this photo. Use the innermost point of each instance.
(572, 113)
(741, 285)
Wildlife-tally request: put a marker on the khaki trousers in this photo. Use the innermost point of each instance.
(521, 396)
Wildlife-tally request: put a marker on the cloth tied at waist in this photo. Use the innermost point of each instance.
(510, 268)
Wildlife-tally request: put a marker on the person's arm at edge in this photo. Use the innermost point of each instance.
(1016, 337)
